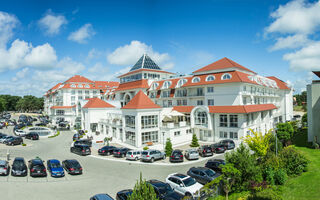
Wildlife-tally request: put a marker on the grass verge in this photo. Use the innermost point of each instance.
(55, 135)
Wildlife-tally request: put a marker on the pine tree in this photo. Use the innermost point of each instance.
(143, 191)
(168, 148)
(194, 142)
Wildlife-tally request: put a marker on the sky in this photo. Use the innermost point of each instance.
(46, 42)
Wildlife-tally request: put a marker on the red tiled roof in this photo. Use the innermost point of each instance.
(143, 69)
(173, 83)
(222, 64)
(97, 103)
(78, 79)
(140, 101)
(241, 108)
(183, 109)
(143, 83)
(281, 84)
(62, 107)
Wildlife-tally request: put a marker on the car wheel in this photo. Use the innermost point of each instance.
(136, 158)
(188, 196)
(152, 160)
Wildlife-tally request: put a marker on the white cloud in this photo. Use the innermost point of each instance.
(307, 58)
(41, 56)
(21, 74)
(94, 53)
(7, 23)
(290, 42)
(52, 23)
(297, 16)
(130, 53)
(82, 34)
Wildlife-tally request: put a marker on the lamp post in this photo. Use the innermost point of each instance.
(163, 139)
(275, 133)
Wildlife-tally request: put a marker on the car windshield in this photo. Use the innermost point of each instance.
(75, 164)
(145, 153)
(210, 173)
(129, 153)
(189, 182)
(55, 165)
(165, 189)
(18, 164)
(193, 152)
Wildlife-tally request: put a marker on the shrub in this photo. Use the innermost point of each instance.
(274, 144)
(293, 161)
(267, 194)
(269, 175)
(168, 148)
(258, 143)
(145, 148)
(315, 145)
(280, 177)
(55, 135)
(194, 142)
(143, 191)
(284, 132)
(24, 144)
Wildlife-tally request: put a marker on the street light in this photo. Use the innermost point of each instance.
(163, 138)
(275, 133)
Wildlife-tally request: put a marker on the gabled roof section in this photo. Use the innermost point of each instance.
(145, 62)
(245, 109)
(223, 63)
(140, 101)
(78, 79)
(143, 83)
(62, 107)
(97, 103)
(281, 84)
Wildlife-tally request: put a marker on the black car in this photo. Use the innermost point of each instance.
(176, 156)
(205, 151)
(37, 168)
(218, 148)
(83, 141)
(101, 197)
(28, 123)
(81, 149)
(202, 175)
(215, 164)
(120, 152)
(229, 144)
(123, 194)
(14, 141)
(164, 191)
(76, 137)
(72, 167)
(106, 150)
(32, 136)
(19, 167)
(41, 124)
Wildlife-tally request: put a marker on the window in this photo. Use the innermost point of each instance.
(244, 88)
(79, 97)
(73, 85)
(87, 92)
(150, 121)
(233, 135)
(166, 84)
(223, 134)
(196, 80)
(59, 112)
(224, 120)
(130, 121)
(181, 82)
(244, 100)
(201, 118)
(169, 103)
(181, 93)
(185, 102)
(177, 133)
(226, 77)
(152, 95)
(94, 91)
(252, 117)
(165, 103)
(87, 97)
(154, 86)
(80, 92)
(248, 119)
(210, 89)
(73, 98)
(210, 102)
(87, 86)
(179, 102)
(165, 94)
(210, 78)
(189, 131)
(73, 92)
(233, 120)
(199, 102)
(131, 138)
(200, 92)
(149, 137)
(80, 86)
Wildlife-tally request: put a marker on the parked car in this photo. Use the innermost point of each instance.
(151, 155)
(101, 197)
(41, 124)
(32, 136)
(19, 132)
(19, 167)
(72, 167)
(106, 150)
(123, 194)
(14, 141)
(120, 152)
(229, 144)
(83, 141)
(215, 164)
(28, 123)
(37, 168)
(2, 136)
(4, 167)
(202, 175)
(205, 151)
(133, 155)
(218, 148)
(55, 168)
(164, 190)
(3, 139)
(184, 185)
(75, 137)
(81, 149)
(176, 156)
(191, 154)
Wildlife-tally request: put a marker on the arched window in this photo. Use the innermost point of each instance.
(154, 86)
(87, 86)
(196, 80)
(166, 84)
(210, 78)
(226, 77)
(201, 118)
(181, 82)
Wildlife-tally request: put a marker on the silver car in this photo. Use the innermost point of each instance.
(133, 155)
(152, 155)
(191, 154)
(4, 139)
(4, 167)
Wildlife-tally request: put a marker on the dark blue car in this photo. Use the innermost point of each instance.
(55, 168)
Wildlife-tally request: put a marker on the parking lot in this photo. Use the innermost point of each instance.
(99, 176)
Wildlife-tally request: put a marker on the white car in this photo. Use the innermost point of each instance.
(133, 155)
(184, 184)
(20, 132)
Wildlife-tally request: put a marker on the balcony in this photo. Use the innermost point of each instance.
(172, 125)
(196, 95)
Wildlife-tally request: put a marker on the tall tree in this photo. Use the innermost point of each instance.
(258, 143)
(143, 191)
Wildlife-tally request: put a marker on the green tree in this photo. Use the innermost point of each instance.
(305, 119)
(143, 191)
(3, 105)
(258, 143)
(229, 176)
(194, 142)
(168, 147)
(284, 132)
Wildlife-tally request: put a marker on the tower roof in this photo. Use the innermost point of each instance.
(145, 62)
(78, 79)
(140, 101)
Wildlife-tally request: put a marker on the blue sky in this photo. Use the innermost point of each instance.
(45, 42)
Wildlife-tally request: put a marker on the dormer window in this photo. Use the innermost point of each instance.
(154, 86)
(196, 80)
(166, 84)
(80, 86)
(210, 78)
(181, 82)
(87, 86)
(226, 77)
(73, 85)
